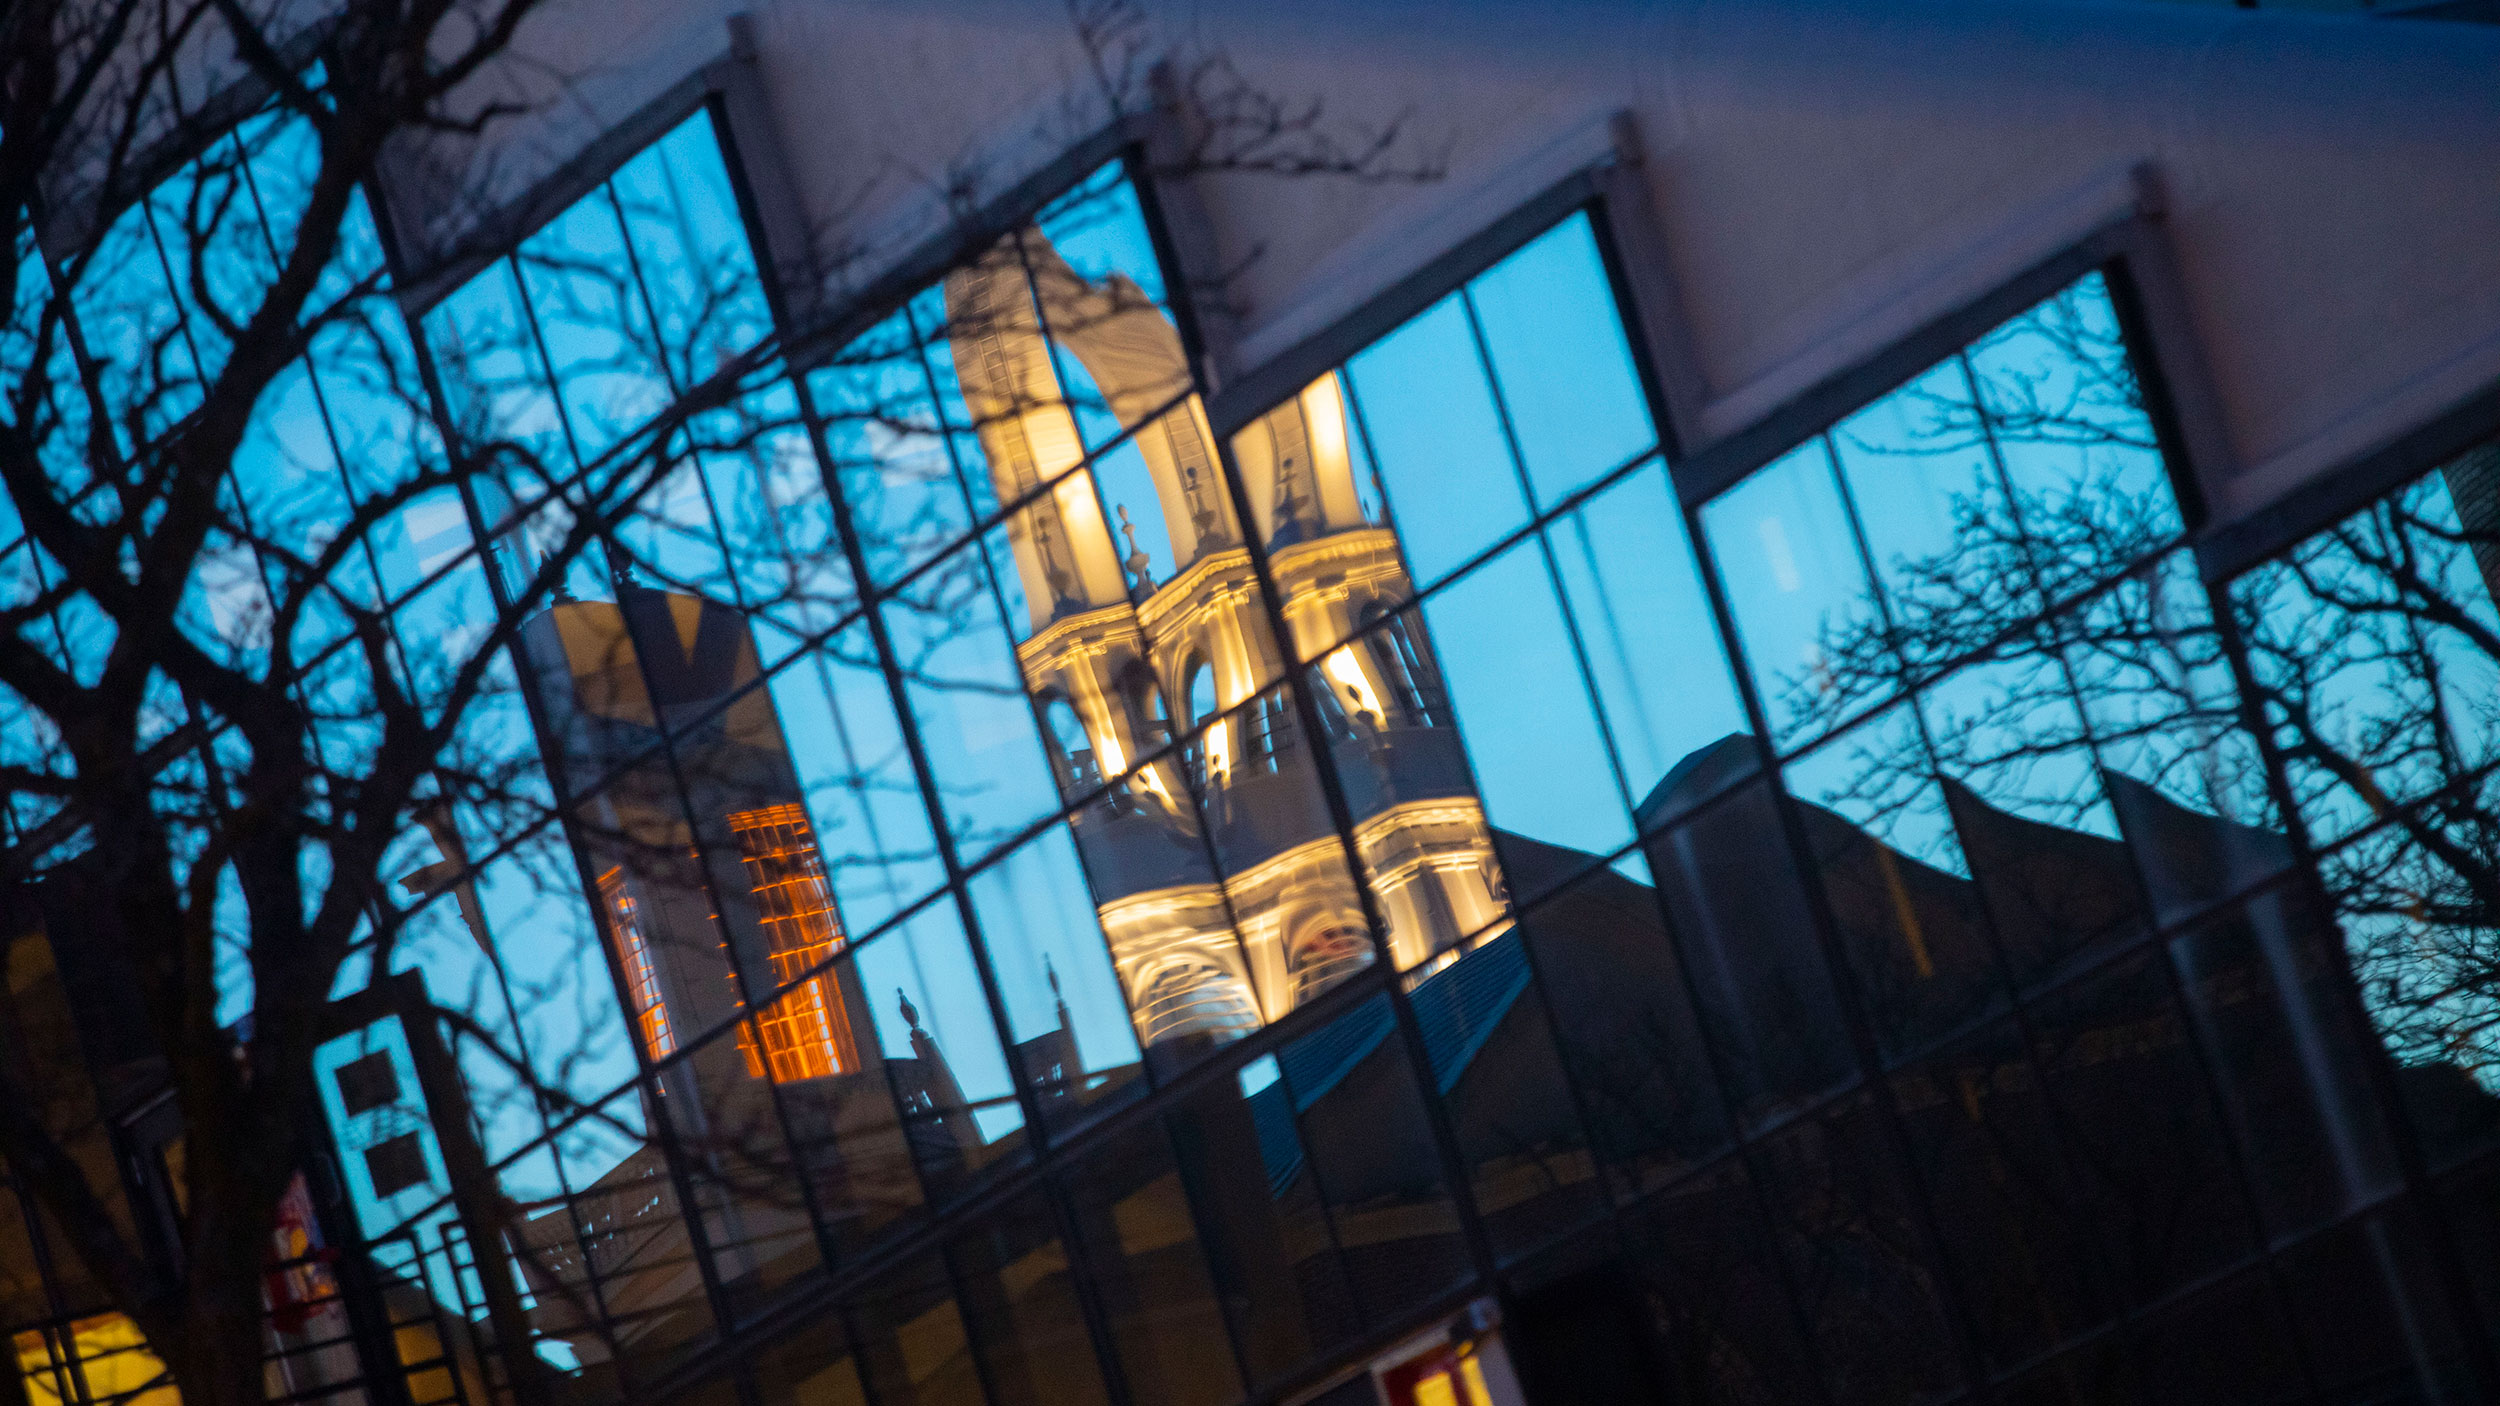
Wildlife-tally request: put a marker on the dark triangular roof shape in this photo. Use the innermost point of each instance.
(1704, 772)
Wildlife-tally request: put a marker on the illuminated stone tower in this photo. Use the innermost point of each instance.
(612, 676)
(1214, 927)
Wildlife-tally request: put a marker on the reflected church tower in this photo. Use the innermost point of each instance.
(1220, 880)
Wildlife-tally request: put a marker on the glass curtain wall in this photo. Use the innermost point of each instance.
(1951, 944)
(125, 318)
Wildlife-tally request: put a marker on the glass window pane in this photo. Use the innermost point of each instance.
(1706, 1256)
(738, 1162)
(1797, 588)
(819, 1367)
(1314, 501)
(1354, 1096)
(530, 900)
(2186, 780)
(1539, 754)
(767, 496)
(617, 1249)
(691, 250)
(1953, 556)
(1879, 830)
(1099, 229)
(941, 1049)
(1490, 1049)
(1624, 1023)
(1737, 908)
(967, 694)
(2158, 1179)
(998, 377)
(1866, 1287)
(1985, 1147)
(1020, 1299)
(1162, 902)
(594, 324)
(368, 380)
(496, 384)
(1117, 353)
(2419, 954)
(1067, 1015)
(2290, 1068)
(891, 454)
(2028, 808)
(1555, 338)
(667, 537)
(1151, 1274)
(132, 324)
(1654, 655)
(912, 1343)
(851, 1139)
(1427, 412)
(2379, 647)
(286, 471)
(440, 629)
(1427, 852)
(1283, 867)
(856, 774)
(1269, 1242)
(2066, 413)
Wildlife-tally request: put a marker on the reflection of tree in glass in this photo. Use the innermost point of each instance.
(2373, 650)
(267, 607)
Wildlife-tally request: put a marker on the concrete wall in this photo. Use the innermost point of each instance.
(1826, 175)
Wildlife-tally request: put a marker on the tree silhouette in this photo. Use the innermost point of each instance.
(2062, 628)
(266, 674)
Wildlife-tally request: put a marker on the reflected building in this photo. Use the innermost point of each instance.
(1320, 868)
(1217, 869)
(713, 894)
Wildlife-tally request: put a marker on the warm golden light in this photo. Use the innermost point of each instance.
(805, 1034)
(1348, 672)
(110, 1354)
(633, 953)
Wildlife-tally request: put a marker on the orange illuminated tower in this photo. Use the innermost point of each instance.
(805, 1034)
(709, 880)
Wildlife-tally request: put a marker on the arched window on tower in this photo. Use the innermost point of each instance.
(1326, 954)
(1196, 998)
(1414, 686)
(1071, 751)
(1198, 691)
(1147, 711)
(1198, 686)
(1269, 732)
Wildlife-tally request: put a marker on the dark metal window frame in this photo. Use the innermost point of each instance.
(2330, 497)
(2129, 251)
(2131, 254)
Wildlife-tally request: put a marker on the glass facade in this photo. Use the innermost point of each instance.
(1925, 936)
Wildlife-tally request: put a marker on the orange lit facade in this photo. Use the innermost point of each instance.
(805, 1034)
(633, 954)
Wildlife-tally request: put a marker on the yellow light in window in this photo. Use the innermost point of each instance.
(1219, 749)
(1323, 412)
(1348, 672)
(806, 1033)
(1435, 1390)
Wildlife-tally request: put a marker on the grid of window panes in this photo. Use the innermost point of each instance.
(127, 322)
(1919, 978)
(955, 761)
